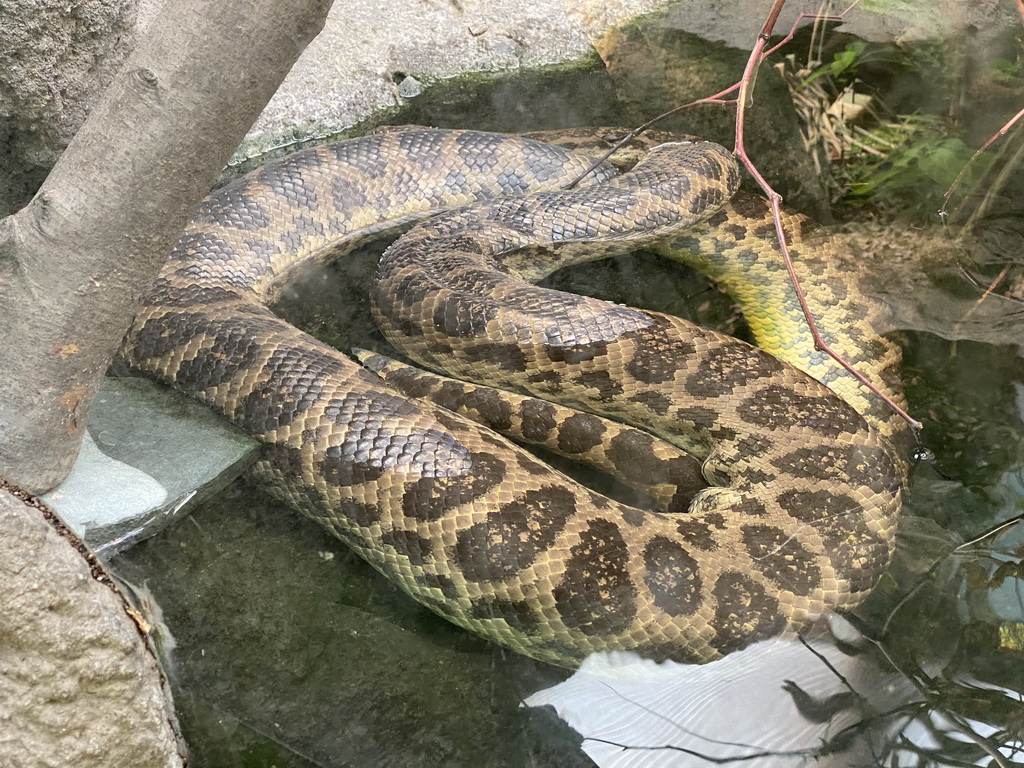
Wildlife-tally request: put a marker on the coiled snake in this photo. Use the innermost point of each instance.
(805, 484)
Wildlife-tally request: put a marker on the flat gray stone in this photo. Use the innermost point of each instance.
(359, 67)
(103, 499)
(151, 455)
(905, 21)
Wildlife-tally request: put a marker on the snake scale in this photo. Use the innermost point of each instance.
(803, 485)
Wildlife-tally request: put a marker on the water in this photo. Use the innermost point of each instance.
(289, 651)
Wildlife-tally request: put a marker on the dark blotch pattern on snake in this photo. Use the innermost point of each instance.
(805, 487)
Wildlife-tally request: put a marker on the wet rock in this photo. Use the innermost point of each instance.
(79, 687)
(152, 454)
(103, 499)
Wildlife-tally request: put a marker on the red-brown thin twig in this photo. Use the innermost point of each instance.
(746, 84)
(715, 99)
(995, 137)
(988, 292)
(744, 88)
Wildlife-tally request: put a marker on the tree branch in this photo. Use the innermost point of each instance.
(76, 260)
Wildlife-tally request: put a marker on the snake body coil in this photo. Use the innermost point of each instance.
(806, 484)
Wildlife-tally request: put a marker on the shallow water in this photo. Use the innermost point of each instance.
(290, 651)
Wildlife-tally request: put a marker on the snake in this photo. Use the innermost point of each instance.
(796, 470)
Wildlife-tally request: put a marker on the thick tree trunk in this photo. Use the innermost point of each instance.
(73, 264)
(76, 260)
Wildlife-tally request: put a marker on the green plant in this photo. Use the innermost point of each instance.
(1006, 71)
(843, 66)
(912, 159)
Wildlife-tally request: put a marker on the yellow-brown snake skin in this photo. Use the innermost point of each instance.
(805, 483)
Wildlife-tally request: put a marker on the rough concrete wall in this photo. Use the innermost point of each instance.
(78, 687)
(55, 57)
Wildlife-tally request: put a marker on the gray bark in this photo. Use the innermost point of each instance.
(78, 683)
(76, 260)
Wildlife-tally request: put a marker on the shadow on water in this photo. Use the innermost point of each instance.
(290, 651)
